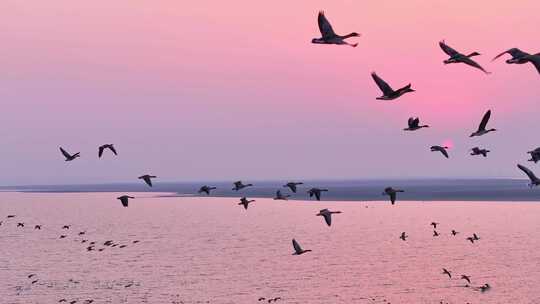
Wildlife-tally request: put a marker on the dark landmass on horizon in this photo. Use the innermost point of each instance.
(346, 190)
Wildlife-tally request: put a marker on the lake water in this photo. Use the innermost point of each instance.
(210, 250)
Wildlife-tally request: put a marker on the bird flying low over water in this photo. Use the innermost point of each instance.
(478, 151)
(297, 249)
(414, 124)
(328, 34)
(392, 193)
(316, 192)
(239, 186)
(482, 127)
(445, 271)
(206, 189)
(466, 278)
(534, 181)
(124, 199)
(281, 196)
(147, 179)
(245, 202)
(520, 57)
(457, 57)
(440, 149)
(292, 186)
(403, 236)
(107, 146)
(327, 214)
(69, 157)
(388, 92)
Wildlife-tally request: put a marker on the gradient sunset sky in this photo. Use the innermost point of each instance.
(226, 90)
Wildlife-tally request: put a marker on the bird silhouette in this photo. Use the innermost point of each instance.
(292, 186)
(328, 34)
(238, 185)
(413, 124)
(445, 271)
(280, 196)
(316, 192)
(107, 146)
(245, 202)
(388, 92)
(392, 193)
(327, 215)
(124, 199)
(478, 151)
(457, 57)
(482, 127)
(441, 149)
(297, 249)
(534, 181)
(520, 57)
(147, 179)
(206, 189)
(69, 157)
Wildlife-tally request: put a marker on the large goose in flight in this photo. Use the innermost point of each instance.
(281, 196)
(297, 249)
(327, 214)
(457, 57)
(535, 155)
(520, 57)
(69, 157)
(414, 124)
(124, 199)
(482, 127)
(292, 186)
(245, 202)
(440, 149)
(388, 92)
(316, 192)
(239, 186)
(147, 179)
(328, 34)
(534, 181)
(206, 189)
(478, 151)
(107, 146)
(392, 193)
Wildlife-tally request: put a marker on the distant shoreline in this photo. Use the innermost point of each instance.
(359, 190)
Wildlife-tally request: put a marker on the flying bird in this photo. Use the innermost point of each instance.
(454, 232)
(520, 57)
(388, 92)
(466, 278)
(440, 149)
(435, 233)
(206, 189)
(245, 202)
(239, 186)
(434, 224)
(478, 151)
(445, 271)
(281, 196)
(482, 127)
(403, 236)
(38, 227)
(107, 146)
(534, 181)
(20, 225)
(328, 34)
(327, 214)
(69, 157)
(485, 287)
(414, 124)
(316, 192)
(297, 249)
(457, 57)
(124, 199)
(147, 179)
(470, 239)
(292, 186)
(392, 193)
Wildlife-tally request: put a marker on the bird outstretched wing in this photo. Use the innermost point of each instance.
(444, 152)
(64, 152)
(385, 88)
(448, 50)
(100, 152)
(113, 149)
(529, 173)
(324, 26)
(484, 121)
(296, 246)
(514, 52)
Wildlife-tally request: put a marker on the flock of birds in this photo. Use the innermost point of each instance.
(328, 36)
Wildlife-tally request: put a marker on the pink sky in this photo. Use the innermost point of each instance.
(226, 90)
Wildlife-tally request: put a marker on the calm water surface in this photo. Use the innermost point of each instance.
(210, 250)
